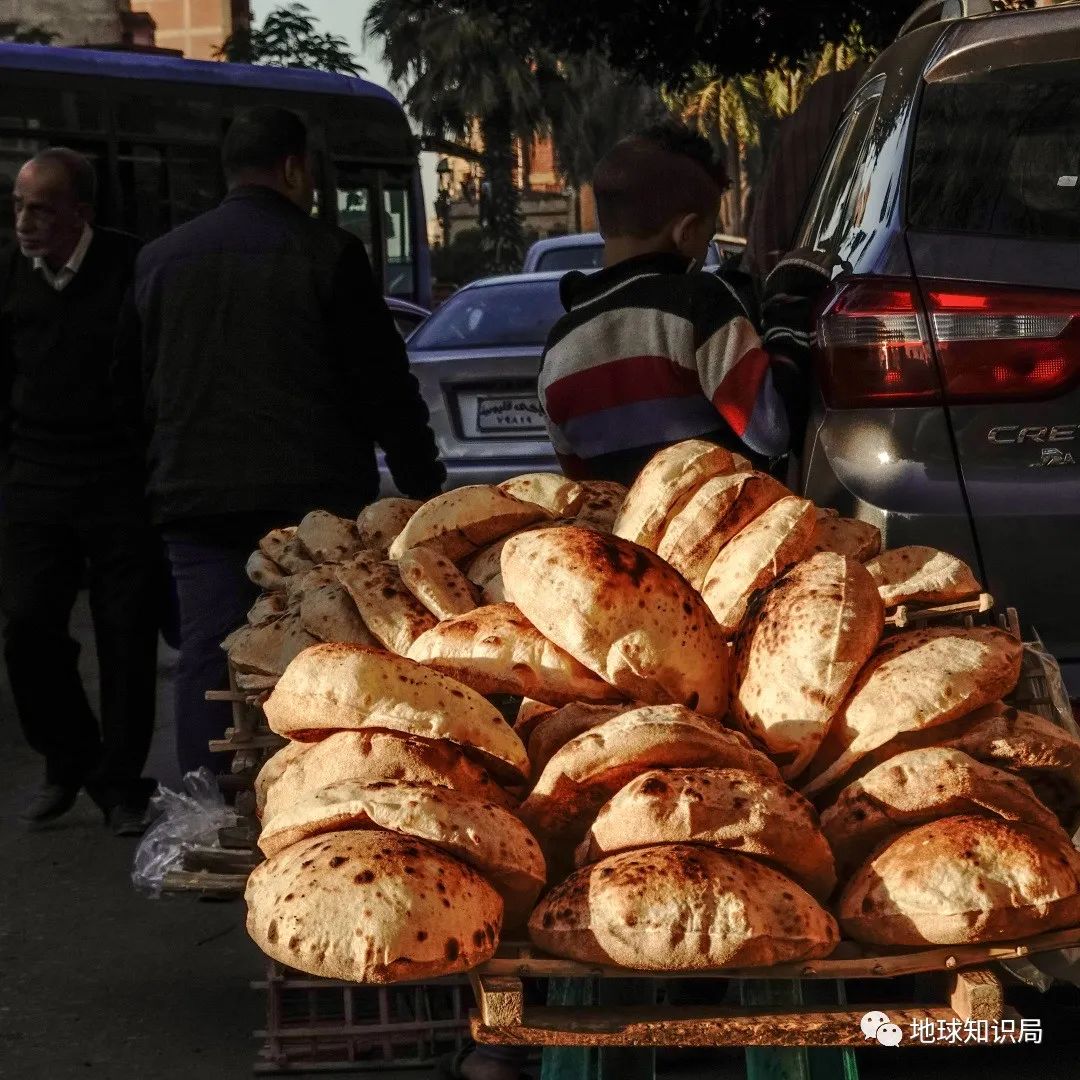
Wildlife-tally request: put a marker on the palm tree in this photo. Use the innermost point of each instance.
(459, 69)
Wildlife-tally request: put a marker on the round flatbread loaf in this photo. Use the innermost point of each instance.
(1034, 748)
(589, 769)
(722, 808)
(920, 786)
(681, 907)
(487, 837)
(273, 544)
(529, 714)
(268, 606)
(916, 574)
(799, 653)
(845, 536)
(269, 648)
(378, 525)
(299, 769)
(665, 485)
(436, 582)
(328, 538)
(496, 650)
(349, 687)
(389, 610)
(622, 612)
(918, 679)
(372, 907)
(328, 613)
(553, 731)
(460, 522)
(720, 509)
(293, 557)
(553, 491)
(964, 880)
(264, 572)
(755, 558)
(600, 504)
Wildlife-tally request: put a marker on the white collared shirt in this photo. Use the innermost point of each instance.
(62, 277)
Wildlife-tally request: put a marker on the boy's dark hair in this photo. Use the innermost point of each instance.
(78, 167)
(654, 176)
(262, 138)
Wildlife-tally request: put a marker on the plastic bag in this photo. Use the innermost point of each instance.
(183, 820)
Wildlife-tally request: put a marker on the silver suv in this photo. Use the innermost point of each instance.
(947, 211)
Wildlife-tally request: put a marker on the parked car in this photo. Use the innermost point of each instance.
(947, 210)
(477, 358)
(585, 251)
(407, 315)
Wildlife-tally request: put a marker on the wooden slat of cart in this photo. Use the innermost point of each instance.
(503, 1018)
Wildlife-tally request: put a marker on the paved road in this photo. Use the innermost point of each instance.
(97, 981)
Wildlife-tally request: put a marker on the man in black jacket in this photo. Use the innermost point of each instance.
(73, 504)
(267, 367)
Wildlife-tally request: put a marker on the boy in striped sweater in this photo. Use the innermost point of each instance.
(652, 351)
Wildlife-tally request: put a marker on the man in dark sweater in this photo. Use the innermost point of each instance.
(73, 505)
(265, 366)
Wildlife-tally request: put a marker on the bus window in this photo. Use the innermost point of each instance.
(354, 211)
(167, 116)
(43, 108)
(399, 272)
(196, 183)
(144, 196)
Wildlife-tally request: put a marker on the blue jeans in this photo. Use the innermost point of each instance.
(214, 594)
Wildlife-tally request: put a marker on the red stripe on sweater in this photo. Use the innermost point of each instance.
(737, 394)
(618, 382)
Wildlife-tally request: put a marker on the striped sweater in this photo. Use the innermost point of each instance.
(648, 354)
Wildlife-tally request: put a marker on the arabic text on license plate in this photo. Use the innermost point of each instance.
(509, 414)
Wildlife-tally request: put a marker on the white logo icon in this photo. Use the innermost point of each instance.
(877, 1025)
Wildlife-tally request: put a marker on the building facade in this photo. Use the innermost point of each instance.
(196, 28)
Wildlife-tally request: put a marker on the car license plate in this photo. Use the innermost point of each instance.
(510, 413)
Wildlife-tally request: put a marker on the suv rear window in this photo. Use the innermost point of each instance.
(999, 154)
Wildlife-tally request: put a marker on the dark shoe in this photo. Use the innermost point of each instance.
(126, 821)
(51, 802)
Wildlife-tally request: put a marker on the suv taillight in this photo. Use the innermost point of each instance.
(993, 343)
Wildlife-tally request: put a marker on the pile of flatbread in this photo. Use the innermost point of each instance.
(392, 851)
(398, 570)
(725, 752)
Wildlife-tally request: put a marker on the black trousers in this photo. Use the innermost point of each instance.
(50, 543)
(214, 594)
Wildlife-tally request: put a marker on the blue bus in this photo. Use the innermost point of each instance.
(152, 124)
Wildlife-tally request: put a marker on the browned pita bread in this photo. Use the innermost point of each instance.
(267, 607)
(265, 573)
(529, 714)
(273, 544)
(348, 687)
(622, 612)
(378, 525)
(372, 907)
(368, 756)
(917, 574)
(723, 808)
(483, 835)
(799, 653)
(554, 492)
(293, 557)
(388, 609)
(601, 502)
(917, 679)
(436, 582)
(964, 880)
(719, 509)
(680, 907)
(585, 772)
(755, 558)
(461, 522)
(496, 650)
(665, 485)
(328, 613)
(328, 538)
(920, 786)
(553, 731)
(846, 536)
